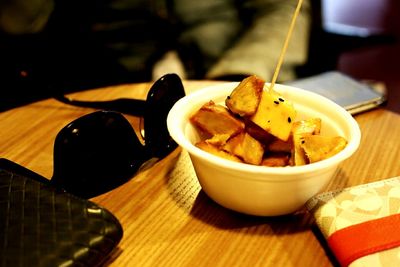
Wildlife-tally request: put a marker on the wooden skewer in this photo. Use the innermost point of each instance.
(283, 52)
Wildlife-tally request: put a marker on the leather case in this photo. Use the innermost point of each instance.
(43, 226)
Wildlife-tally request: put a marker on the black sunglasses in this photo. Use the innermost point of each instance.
(100, 151)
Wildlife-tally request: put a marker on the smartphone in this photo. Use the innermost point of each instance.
(353, 95)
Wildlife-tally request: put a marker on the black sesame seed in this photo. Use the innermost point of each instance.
(281, 99)
(276, 102)
(289, 120)
(228, 97)
(302, 141)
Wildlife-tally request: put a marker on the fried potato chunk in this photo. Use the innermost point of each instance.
(245, 147)
(275, 114)
(204, 145)
(310, 126)
(281, 146)
(318, 147)
(245, 98)
(216, 119)
(299, 130)
(276, 160)
(218, 139)
(257, 132)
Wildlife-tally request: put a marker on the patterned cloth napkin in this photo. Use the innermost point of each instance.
(362, 223)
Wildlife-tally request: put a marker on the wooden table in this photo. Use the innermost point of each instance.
(168, 220)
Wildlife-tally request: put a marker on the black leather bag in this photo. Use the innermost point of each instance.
(43, 226)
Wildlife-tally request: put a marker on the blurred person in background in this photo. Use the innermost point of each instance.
(49, 47)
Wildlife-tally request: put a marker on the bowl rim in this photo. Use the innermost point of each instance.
(175, 125)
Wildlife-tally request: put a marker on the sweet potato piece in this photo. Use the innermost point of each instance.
(216, 119)
(317, 147)
(218, 139)
(257, 132)
(216, 151)
(281, 146)
(311, 126)
(245, 98)
(275, 114)
(245, 147)
(276, 160)
(299, 130)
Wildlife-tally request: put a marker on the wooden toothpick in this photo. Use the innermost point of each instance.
(285, 45)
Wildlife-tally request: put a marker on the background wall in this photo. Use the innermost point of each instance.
(360, 38)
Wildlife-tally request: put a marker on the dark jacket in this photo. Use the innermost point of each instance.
(56, 46)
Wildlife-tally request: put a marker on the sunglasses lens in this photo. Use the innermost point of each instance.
(95, 154)
(162, 96)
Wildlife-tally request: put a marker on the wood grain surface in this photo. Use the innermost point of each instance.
(168, 220)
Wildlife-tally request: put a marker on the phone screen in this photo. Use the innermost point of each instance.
(351, 94)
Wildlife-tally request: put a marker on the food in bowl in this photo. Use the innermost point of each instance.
(259, 190)
(257, 126)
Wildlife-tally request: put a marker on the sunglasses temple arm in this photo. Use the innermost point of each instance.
(129, 106)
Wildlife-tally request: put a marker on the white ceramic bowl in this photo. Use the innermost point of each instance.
(259, 190)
